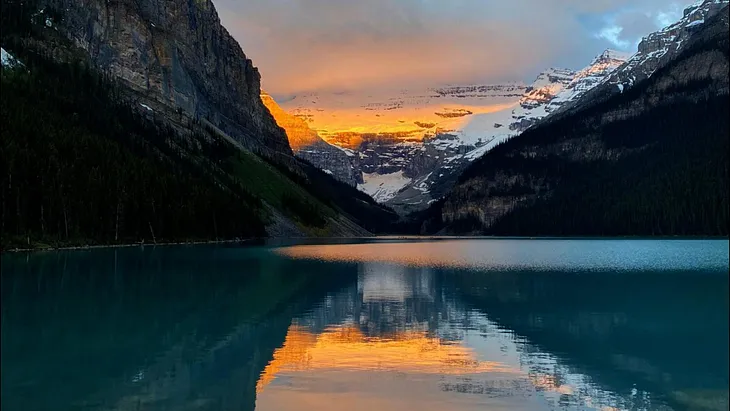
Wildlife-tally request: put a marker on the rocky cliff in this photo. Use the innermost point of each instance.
(176, 54)
(307, 145)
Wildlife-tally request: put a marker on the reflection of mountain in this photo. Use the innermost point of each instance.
(212, 328)
(169, 329)
(386, 300)
(668, 337)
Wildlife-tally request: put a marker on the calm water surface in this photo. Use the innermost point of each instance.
(379, 325)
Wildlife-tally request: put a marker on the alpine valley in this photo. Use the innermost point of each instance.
(144, 121)
(407, 147)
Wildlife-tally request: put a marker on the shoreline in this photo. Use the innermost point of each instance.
(383, 237)
(123, 245)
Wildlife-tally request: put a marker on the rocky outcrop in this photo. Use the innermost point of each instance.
(175, 53)
(307, 145)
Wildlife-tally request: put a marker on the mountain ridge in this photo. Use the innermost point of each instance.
(651, 160)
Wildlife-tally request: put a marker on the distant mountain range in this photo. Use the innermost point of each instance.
(409, 145)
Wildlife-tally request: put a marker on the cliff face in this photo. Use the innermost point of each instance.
(175, 53)
(307, 145)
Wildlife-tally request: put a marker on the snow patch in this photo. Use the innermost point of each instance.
(8, 60)
(327, 171)
(146, 106)
(383, 187)
(696, 23)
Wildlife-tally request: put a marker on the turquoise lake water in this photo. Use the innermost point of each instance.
(385, 324)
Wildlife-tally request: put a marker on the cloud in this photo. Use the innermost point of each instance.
(302, 45)
(625, 27)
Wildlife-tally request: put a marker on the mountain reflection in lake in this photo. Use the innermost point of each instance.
(457, 325)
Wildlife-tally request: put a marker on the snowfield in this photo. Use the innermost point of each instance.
(383, 187)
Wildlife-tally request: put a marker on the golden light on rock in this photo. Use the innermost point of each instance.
(297, 131)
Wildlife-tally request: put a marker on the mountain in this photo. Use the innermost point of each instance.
(411, 144)
(307, 145)
(173, 55)
(654, 51)
(143, 120)
(652, 159)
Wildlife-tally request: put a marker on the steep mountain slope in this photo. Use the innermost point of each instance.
(650, 160)
(187, 178)
(307, 145)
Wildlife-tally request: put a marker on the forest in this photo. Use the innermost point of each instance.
(81, 167)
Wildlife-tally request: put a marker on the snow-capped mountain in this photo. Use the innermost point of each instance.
(663, 45)
(412, 144)
(654, 51)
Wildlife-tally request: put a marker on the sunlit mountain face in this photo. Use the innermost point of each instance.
(349, 118)
(406, 146)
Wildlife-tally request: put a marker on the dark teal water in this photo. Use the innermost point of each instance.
(389, 325)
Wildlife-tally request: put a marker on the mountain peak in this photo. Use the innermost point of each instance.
(611, 54)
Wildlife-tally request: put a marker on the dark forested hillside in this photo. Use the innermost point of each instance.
(80, 168)
(650, 161)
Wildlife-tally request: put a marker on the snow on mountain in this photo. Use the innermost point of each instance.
(412, 143)
(383, 187)
(653, 52)
(589, 77)
(8, 60)
(667, 41)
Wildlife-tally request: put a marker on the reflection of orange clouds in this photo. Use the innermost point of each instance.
(422, 254)
(346, 348)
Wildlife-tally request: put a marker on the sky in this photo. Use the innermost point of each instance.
(302, 46)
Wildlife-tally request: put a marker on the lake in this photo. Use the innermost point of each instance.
(381, 324)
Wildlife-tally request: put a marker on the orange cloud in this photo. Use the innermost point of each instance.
(302, 45)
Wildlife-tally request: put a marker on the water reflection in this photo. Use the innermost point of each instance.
(300, 328)
(520, 254)
(530, 336)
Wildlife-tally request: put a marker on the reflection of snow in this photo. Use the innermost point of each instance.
(395, 283)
